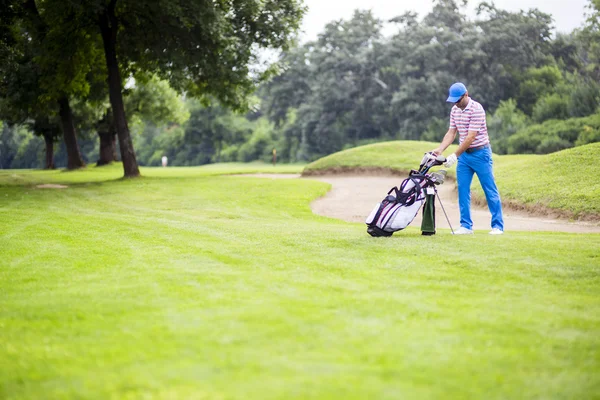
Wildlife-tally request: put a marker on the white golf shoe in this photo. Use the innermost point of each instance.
(463, 231)
(496, 231)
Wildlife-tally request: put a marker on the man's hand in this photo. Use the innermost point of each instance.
(451, 160)
(437, 151)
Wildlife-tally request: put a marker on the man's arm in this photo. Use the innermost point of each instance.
(466, 143)
(447, 141)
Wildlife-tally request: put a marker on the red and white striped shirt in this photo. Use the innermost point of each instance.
(472, 118)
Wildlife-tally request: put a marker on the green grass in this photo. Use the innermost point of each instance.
(114, 171)
(187, 284)
(566, 181)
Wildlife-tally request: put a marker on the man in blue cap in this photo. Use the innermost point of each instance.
(474, 156)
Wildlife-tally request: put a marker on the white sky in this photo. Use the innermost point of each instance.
(567, 14)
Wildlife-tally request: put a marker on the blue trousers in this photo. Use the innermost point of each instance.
(479, 162)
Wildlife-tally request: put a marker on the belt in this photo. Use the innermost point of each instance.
(474, 149)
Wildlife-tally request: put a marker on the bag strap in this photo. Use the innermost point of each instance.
(408, 199)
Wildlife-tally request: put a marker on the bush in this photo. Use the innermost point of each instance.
(260, 144)
(230, 153)
(436, 129)
(537, 82)
(505, 122)
(554, 135)
(589, 135)
(524, 142)
(584, 99)
(552, 106)
(552, 144)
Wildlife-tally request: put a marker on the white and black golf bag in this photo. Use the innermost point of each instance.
(401, 205)
(399, 208)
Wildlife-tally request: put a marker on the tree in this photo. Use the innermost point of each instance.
(20, 91)
(426, 57)
(332, 85)
(537, 83)
(149, 101)
(589, 37)
(213, 132)
(152, 104)
(512, 42)
(565, 49)
(19, 147)
(55, 60)
(65, 57)
(93, 116)
(290, 87)
(107, 133)
(584, 96)
(551, 106)
(201, 47)
(50, 131)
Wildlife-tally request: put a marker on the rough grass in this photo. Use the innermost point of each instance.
(566, 181)
(195, 285)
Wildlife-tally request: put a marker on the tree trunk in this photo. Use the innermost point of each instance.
(108, 29)
(106, 132)
(68, 126)
(219, 145)
(107, 152)
(114, 145)
(49, 139)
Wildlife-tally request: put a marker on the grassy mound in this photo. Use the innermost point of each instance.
(400, 156)
(566, 181)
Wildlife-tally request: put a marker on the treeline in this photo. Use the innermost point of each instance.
(353, 85)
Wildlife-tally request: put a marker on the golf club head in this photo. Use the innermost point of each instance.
(438, 177)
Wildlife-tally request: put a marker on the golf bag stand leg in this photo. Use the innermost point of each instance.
(447, 219)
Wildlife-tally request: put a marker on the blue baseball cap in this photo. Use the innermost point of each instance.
(456, 91)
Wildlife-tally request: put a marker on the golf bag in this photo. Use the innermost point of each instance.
(401, 205)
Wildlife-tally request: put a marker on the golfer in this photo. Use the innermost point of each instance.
(474, 155)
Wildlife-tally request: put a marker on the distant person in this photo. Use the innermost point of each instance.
(474, 156)
(274, 157)
(165, 161)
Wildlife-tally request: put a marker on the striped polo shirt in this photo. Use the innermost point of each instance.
(472, 118)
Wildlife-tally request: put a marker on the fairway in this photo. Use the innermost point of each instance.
(191, 283)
